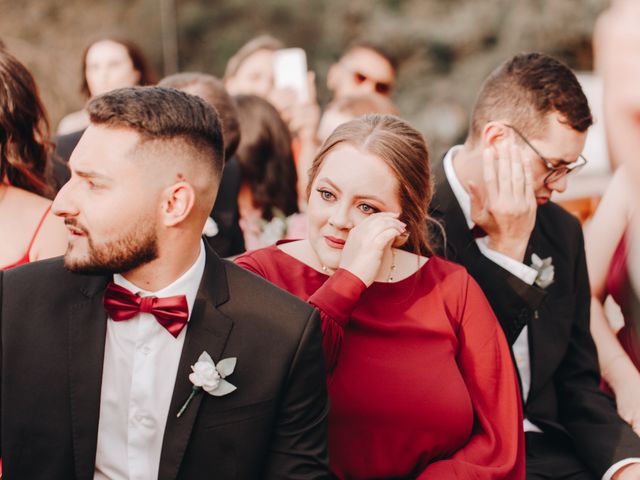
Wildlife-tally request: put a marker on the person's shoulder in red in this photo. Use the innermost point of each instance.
(260, 261)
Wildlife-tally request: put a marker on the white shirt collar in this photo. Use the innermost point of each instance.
(460, 193)
(187, 284)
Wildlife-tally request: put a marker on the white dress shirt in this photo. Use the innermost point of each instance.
(140, 365)
(527, 274)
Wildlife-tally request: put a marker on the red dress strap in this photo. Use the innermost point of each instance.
(25, 257)
(35, 234)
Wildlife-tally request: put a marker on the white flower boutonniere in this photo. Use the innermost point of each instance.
(545, 270)
(274, 230)
(210, 228)
(210, 377)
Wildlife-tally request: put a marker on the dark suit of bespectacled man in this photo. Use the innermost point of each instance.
(527, 132)
(140, 354)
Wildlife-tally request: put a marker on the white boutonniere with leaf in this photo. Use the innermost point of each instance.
(210, 377)
(545, 269)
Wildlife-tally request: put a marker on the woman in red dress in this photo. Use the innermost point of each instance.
(421, 381)
(28, 230)
(613, 259)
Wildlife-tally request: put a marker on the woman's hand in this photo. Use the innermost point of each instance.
(367, 243)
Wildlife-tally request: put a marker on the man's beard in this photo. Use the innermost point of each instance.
(135, 247)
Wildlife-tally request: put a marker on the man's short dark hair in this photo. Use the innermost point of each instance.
(164, 114)
(526, 88)
(214, 93)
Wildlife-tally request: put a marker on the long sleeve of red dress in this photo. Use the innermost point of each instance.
(421, 380)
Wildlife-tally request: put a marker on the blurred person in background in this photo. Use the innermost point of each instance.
(343, 109)
(27, 228)
(222, 230)
(493, 195)
(251, 72)
(268, 199)
(107, 64)
(616, 48)
(420, 380)
(613, 258)
(364, 68)
(612, 236)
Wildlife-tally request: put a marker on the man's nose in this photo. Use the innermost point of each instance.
(559, 185)
(63, 205)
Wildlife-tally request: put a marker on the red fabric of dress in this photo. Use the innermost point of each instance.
(619, 286)
(421, 380)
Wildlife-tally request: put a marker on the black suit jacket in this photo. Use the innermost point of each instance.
(564, 397)
(273, 426)
(229, 241)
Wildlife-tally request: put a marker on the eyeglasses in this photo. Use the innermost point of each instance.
(383, 88)
(556, 172)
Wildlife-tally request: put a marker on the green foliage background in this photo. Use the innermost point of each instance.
(445, 47)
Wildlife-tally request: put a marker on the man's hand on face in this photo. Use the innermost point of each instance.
(507, 212)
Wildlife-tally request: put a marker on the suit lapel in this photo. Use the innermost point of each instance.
(461, 246)
(546, 328)
(87, 330)
(446, 208)
(208, 330)
(533, 326)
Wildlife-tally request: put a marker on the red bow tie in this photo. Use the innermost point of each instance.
(170, 312)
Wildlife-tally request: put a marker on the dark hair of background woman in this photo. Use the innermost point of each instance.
(265, 156)
(140, 64)
(24, 129)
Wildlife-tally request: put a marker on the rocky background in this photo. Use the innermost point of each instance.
(445, 47)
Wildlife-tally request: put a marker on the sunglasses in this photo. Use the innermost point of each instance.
(383, 88)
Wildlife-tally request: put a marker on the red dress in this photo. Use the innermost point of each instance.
(619, 286)
(421, 380)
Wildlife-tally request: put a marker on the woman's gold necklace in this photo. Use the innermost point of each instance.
(392, 269)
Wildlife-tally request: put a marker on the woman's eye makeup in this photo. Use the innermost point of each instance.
(365, 208)
(368, 209)
(326, 194)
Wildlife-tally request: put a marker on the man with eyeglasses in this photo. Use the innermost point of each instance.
(363, 69)
(528, 129)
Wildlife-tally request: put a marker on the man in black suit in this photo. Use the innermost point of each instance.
(141, 354)
(527, 133)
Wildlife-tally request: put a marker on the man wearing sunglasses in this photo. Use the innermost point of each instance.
(528, 129)
(364, 68)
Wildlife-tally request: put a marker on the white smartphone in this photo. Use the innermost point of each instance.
(290, 71)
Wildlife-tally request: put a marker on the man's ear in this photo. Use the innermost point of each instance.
(493, 133)
(178, 201)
